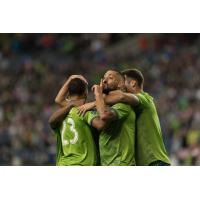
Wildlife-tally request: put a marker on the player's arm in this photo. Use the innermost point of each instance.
(60, 98)
(99, 124)
(118, 96)
(117, 112)
(105, 112)
(57, 117)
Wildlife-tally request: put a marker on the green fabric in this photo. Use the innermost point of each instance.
(117, 143)
(76, 140)
(149, 142)
(58, 145)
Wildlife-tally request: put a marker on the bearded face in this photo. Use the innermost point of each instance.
(111, 81)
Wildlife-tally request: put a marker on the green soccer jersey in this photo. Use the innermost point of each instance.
(117, 141)
(75, 142)
(149, 142)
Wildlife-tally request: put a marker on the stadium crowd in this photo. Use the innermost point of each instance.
(34, 66)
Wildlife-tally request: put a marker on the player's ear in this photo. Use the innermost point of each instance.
(133, 83)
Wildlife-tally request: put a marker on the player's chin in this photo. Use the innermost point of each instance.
(106, 90)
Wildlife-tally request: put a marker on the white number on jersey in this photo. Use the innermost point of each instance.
(72, 129)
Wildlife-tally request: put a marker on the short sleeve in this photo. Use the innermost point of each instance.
(89, 116)
(122, 110)
(143, 101)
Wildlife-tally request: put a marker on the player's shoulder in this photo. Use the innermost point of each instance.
(73, 110)
(89, 116)
(73, 113)
(145, 95)
(145, 98)
(91, 112)
(122, 106)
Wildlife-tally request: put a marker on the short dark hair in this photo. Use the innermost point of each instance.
(77, 87)
(134, 74)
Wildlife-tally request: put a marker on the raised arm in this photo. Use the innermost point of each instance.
(60, 98)
(105, 112)
(118, 96)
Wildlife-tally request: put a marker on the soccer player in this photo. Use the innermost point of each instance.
(117, 140)
(62, 96)
(75, 143)
(150, 149)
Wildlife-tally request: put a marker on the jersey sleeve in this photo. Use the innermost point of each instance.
(143, 101)
(89, 116)
(122, 110)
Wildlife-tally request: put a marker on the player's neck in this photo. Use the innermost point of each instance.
(137, 90)
(78, 101)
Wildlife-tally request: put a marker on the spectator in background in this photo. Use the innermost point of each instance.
(31, 64)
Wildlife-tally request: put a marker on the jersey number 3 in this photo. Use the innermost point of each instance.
(72, 129)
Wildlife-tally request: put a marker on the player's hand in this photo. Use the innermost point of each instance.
(78, 76)
(84, 108)
(97, 89)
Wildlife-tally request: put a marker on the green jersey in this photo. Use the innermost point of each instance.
(117, 141)
(75, 142)
(149, 142)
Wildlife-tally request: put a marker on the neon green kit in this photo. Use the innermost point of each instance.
(149, 143)
(117, 141)
(75, 142)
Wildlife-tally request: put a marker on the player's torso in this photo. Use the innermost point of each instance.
(117, 142)
(149, 141)
(77, 142)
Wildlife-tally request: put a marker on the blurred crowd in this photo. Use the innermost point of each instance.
(33, 67)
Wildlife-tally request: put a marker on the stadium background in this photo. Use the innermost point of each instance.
(34, 66)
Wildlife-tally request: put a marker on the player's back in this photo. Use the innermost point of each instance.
(78, 147)
(149, 142)
(117, 141)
